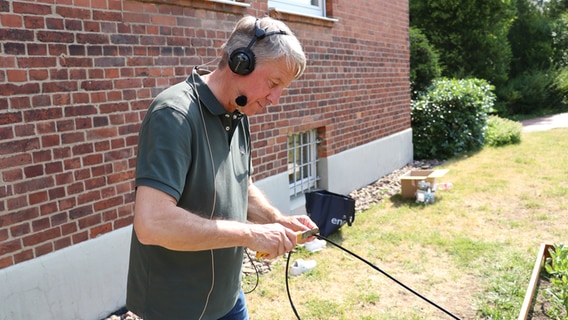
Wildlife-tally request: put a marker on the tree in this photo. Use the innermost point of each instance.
(531, 40)
(470, 35)
(424, 62)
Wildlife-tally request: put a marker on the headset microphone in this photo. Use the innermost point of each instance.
(241, 101)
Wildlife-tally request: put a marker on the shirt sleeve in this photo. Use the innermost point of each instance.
(164, 153)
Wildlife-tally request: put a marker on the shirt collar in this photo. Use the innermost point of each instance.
(208, 100)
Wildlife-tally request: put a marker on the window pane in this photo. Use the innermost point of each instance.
(302, 161)
(311, 7)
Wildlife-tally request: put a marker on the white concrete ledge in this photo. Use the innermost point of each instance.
(84, 281)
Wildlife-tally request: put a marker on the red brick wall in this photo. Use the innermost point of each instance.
(77, 76)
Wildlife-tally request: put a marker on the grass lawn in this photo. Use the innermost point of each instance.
(471, 252)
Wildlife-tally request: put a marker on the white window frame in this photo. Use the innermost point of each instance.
(302, 162)
(307, 7)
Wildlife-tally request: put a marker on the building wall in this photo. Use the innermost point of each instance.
(77, 76)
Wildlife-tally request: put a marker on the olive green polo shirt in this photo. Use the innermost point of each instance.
(188, 152)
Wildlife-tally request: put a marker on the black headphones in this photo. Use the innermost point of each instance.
(242, 60)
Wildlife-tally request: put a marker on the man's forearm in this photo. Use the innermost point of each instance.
(259, 208)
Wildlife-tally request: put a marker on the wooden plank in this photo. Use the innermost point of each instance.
(529, 295)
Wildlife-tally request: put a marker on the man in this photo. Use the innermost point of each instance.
(196, 207)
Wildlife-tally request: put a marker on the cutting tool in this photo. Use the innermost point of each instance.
(300, 236)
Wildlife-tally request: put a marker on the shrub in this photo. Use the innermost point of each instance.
(424, 65)
(561, 85)
(451, 118)
(502, 132)
(530, 93)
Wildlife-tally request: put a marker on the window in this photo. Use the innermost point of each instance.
(309, 7)
(302, 162)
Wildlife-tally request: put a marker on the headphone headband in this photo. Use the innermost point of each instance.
(242, 60)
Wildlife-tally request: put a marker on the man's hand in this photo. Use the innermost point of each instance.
(272, 240)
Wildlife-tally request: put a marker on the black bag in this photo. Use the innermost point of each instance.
(330, 211)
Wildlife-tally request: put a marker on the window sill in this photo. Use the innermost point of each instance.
(301, 17)
(233, 3)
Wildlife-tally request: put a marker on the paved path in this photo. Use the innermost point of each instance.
(546, 123)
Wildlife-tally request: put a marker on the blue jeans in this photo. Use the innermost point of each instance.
(239, 311)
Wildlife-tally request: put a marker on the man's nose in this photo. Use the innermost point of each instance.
(274, 96)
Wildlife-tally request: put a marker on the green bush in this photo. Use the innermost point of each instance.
(502, 131)
(451, 118)
(424, 65)
(561, 85)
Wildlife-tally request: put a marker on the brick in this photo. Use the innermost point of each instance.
(40, 237)
(96, 85)
(88, 197)
(83, 123)
(102, 133)
(99, 230)
(65, 125)
(23, 256)
(61, 153)
(10, 118)
(109, 215)
(89, 221)
(11, 20)
(123, 222)
(62, 243)
(45, 127)
(41, 224)
(43, 249)
(38, 197)
(17, 75)
(108, 203)
(75, 188)
(69, 228)
(60, 86)
(58, 219)
(55, 36)
(48, 141)
(10, 246)
(72, 138)
(34, 22)
(80, 237)
(9, 89)
(33, 171)
(73, 24)
(33, 185)
(48, 208)
(54, 167)
(97, 182)
(20, 229)
(80, 212)
(6, 262)
(41, 101)
(16, 203)
(12, 175)
(11, 34)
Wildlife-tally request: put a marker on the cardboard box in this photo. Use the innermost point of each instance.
(409, 181)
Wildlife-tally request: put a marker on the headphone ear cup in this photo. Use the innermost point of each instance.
(242, 61)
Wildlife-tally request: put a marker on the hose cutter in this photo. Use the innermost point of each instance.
(300, 236)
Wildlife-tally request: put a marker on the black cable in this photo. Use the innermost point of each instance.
(372, 266)
(288, 287)
(255, 269)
